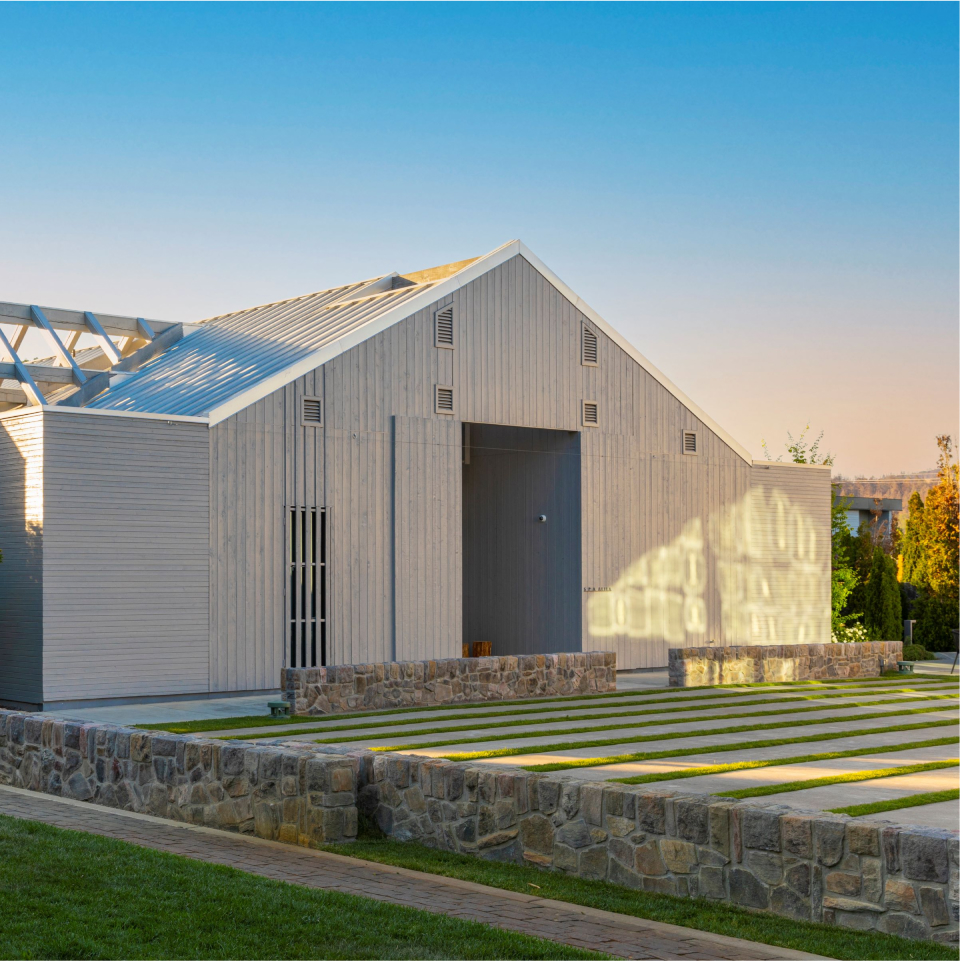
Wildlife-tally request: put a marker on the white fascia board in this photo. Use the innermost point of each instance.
(632, 352)
(97, 412)
(358, 336)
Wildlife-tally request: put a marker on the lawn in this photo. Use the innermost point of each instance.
(72, 895)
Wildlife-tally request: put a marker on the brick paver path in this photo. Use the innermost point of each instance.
(604, 931)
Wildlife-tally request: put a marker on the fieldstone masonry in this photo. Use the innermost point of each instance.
(358, 687)
(701, 666)
(806, 865)
(284, 794)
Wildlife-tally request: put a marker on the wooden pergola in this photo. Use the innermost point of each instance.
(122, 345)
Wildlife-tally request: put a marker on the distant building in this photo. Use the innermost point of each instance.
(867, 510)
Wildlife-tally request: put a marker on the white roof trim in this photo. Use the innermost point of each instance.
(443, 289)
(97, 412)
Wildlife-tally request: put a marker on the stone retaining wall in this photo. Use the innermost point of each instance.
(806, 865)
(359, 687)
(284, 794)
(803, 865)
(699, 666)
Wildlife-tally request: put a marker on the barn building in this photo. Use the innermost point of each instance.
(381, 471)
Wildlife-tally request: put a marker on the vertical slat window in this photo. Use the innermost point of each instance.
(306, 533)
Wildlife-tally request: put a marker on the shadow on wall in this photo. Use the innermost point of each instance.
(769, 571)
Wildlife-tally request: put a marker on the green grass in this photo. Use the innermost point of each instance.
(911, 801)
(344, 736)
(850, 778)
(75, 895)
(777, 762)
(596, 728)
(603, 742)
(266, 720)
(692, 913)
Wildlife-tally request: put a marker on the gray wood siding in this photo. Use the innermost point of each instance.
(21, 573)
(125, 572)
(394, 504)
(247, 553)
(428, 557)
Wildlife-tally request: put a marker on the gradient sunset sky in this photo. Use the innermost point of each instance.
(762, 197)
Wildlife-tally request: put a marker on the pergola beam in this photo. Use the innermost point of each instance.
(41, 373)
(20, 372)
(64, 355)
(106, 344)
(60, 319)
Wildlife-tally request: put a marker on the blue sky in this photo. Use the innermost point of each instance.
(762, 197)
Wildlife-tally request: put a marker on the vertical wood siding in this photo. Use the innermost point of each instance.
(21, 573)
(428, 558)
(126, 565)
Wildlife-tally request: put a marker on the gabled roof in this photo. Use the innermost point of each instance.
(233, 360)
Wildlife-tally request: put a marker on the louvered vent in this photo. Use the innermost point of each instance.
(444, 400)
(444, 320)
(591, 414)
(311, 412)
(589, 348)
(690, 442)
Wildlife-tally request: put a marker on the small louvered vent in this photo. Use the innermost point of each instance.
(591, 414)
(589, 348)
(690, 442)
(444, 400)
(444, 319)
(311, 413)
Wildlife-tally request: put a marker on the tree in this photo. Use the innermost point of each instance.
(941, 527)
(843, 578)
(913, 561)
(881, 614)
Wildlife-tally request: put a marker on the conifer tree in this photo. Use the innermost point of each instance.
(914, 568)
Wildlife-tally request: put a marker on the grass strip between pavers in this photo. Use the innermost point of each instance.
(777, 762)
(557, 732)
(694, 913)
(581, 762)
(266, 720)
(895, 804)
(737, 729)
(850, 778)
(557, 717)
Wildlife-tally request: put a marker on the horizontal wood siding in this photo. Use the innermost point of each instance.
(21, 573)
(126, 565)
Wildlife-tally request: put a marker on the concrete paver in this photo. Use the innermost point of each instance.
(943, 814)
(867, 792)
(616, 934)
(785, 774)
